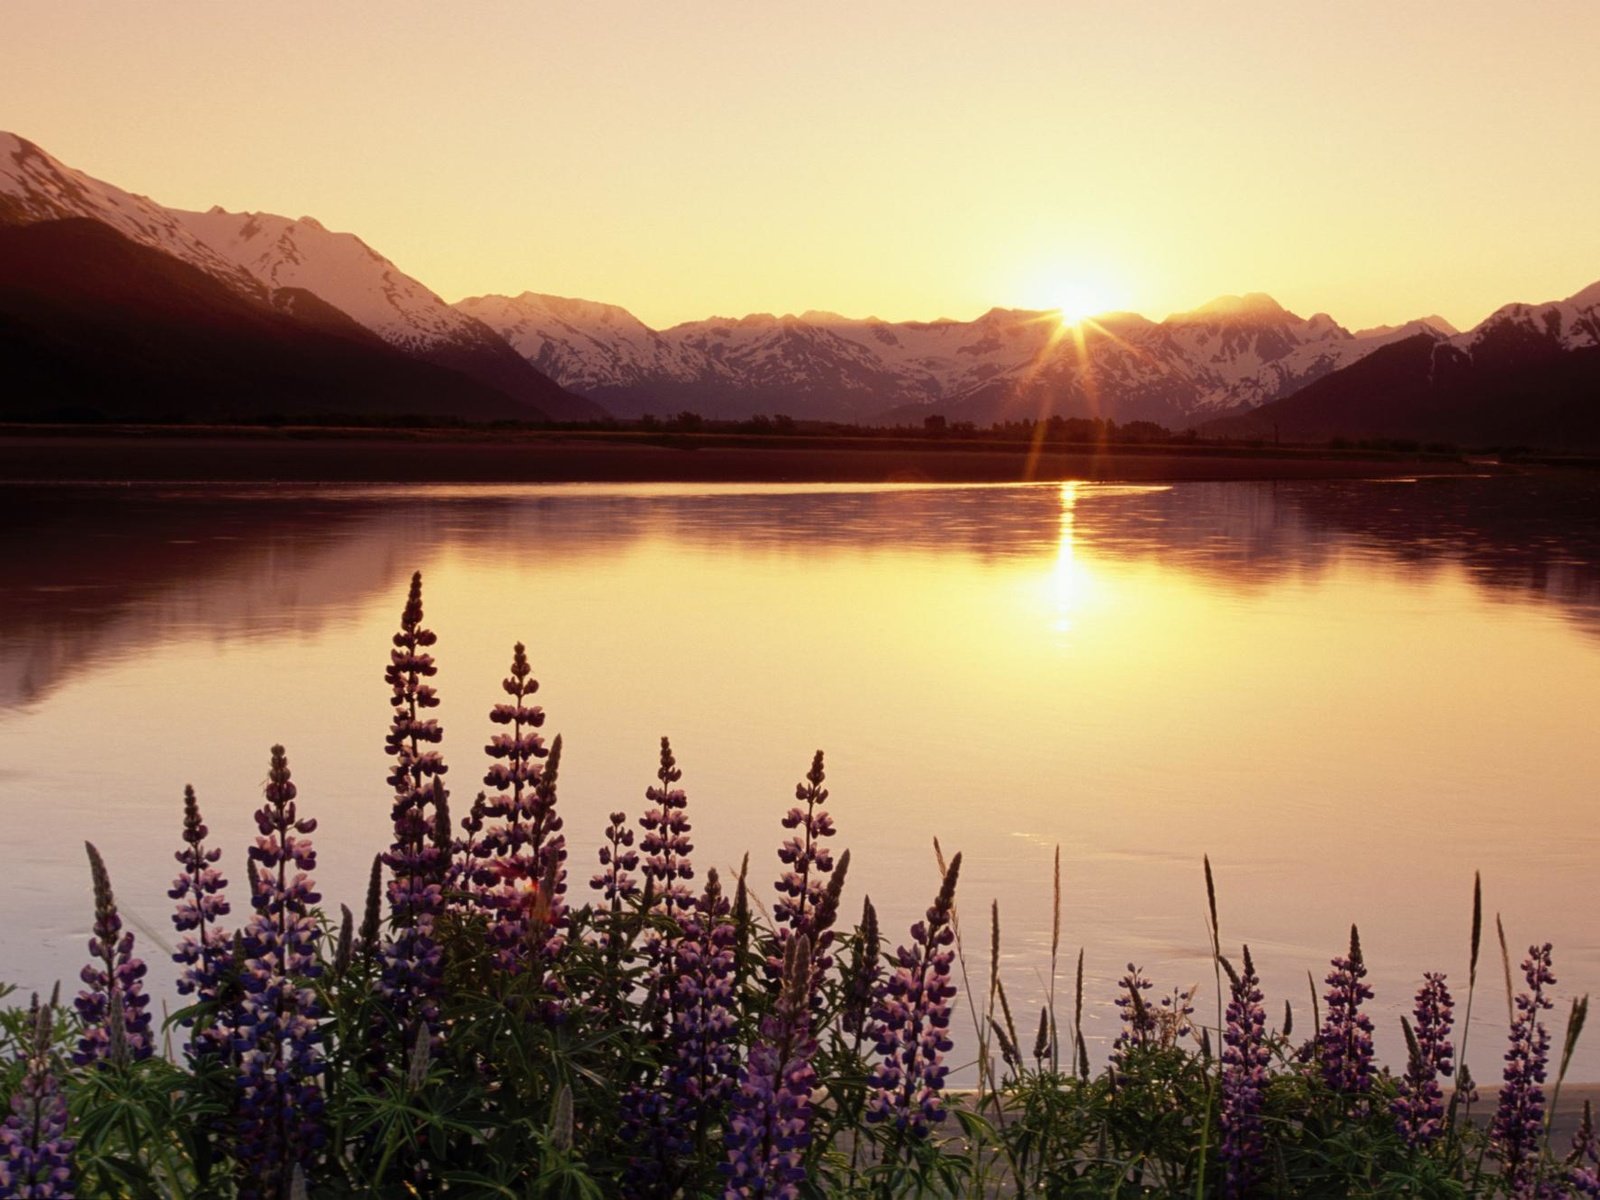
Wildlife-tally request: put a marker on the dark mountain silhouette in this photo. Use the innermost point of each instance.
(1527, 376)
(94, 325)
(297, 265)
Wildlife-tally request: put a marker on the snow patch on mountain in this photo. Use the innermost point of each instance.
(338, 267)
(1557, 325)
(1434, 325)
(582, 344)
(1235, 352)
(35, 187)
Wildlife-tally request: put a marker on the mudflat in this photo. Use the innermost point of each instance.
(479, 456)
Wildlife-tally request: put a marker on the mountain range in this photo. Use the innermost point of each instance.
(114, 305)
(1528, 375)
(1232, 354)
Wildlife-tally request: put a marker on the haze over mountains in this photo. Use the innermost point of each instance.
(113, 305)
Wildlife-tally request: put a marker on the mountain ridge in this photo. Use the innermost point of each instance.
(1238, 363)
(1528, 374)
(94, 325)
(259, 255)
(1232, 353)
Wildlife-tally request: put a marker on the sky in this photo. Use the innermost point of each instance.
(1377, 161)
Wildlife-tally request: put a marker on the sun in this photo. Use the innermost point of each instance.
(1077, 302)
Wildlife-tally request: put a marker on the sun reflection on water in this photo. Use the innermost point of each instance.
(1071, 581)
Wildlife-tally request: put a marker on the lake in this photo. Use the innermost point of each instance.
(1350, 695)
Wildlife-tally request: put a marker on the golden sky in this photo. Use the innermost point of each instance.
(1378, 161)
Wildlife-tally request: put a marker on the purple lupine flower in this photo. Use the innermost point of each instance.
(116, 1025)
(526, 896)
(910, 1022)
(1138, 1019)
(35, 1152)
(526, 849)
(1344, 1043)
(864, 974)
(805, 880)
(662, 1122)
(618, 860)
(372, 910)
(665, 844)
(769, 1127)
(615, 881)
(1419, 1107)
(1244, 1081)
(1583, 1163)
(412, 960)
(279, 1098)
(1518, 1128)
(417, 773)
(470, 872)
(206, 949)
(664, 862)
(703, 1021)
(1174, 1016)
(516, 755)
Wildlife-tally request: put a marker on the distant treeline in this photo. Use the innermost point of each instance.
(1049, 431)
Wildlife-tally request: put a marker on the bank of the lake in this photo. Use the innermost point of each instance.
(313, 455)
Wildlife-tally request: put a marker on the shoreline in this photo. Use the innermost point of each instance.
(136, 454)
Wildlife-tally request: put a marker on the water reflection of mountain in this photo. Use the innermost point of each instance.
(95, 573)
(1536, 535)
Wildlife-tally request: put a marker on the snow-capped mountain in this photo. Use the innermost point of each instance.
(278, 261)
(338, 267)
(35, 187)
(1236, 352)
(344, 271)
(1529, 374)
(96, 326)
(592, 346)
(815, 364)
(1537, 329)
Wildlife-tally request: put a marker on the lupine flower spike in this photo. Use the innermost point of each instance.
(618, 861)
(527, 831)
(911, 1022)
(1244, 1080)
(1139, 1024)
(664, 1123)
(35, 1153)
(864, 973)
(665, 844)
(115, 1023)
(412, 961)
(1419, 1107)
(1583, 1163)
(1518, 1128)
(1344, 1044)
(665, 848)
(802, 885)
(615, 881)
(703, 1021)
(206, 950)
(280, 1101)
(770, 1126)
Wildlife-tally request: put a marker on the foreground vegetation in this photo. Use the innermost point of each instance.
(486, 1030)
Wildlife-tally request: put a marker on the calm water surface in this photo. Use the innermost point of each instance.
(1350, 695)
